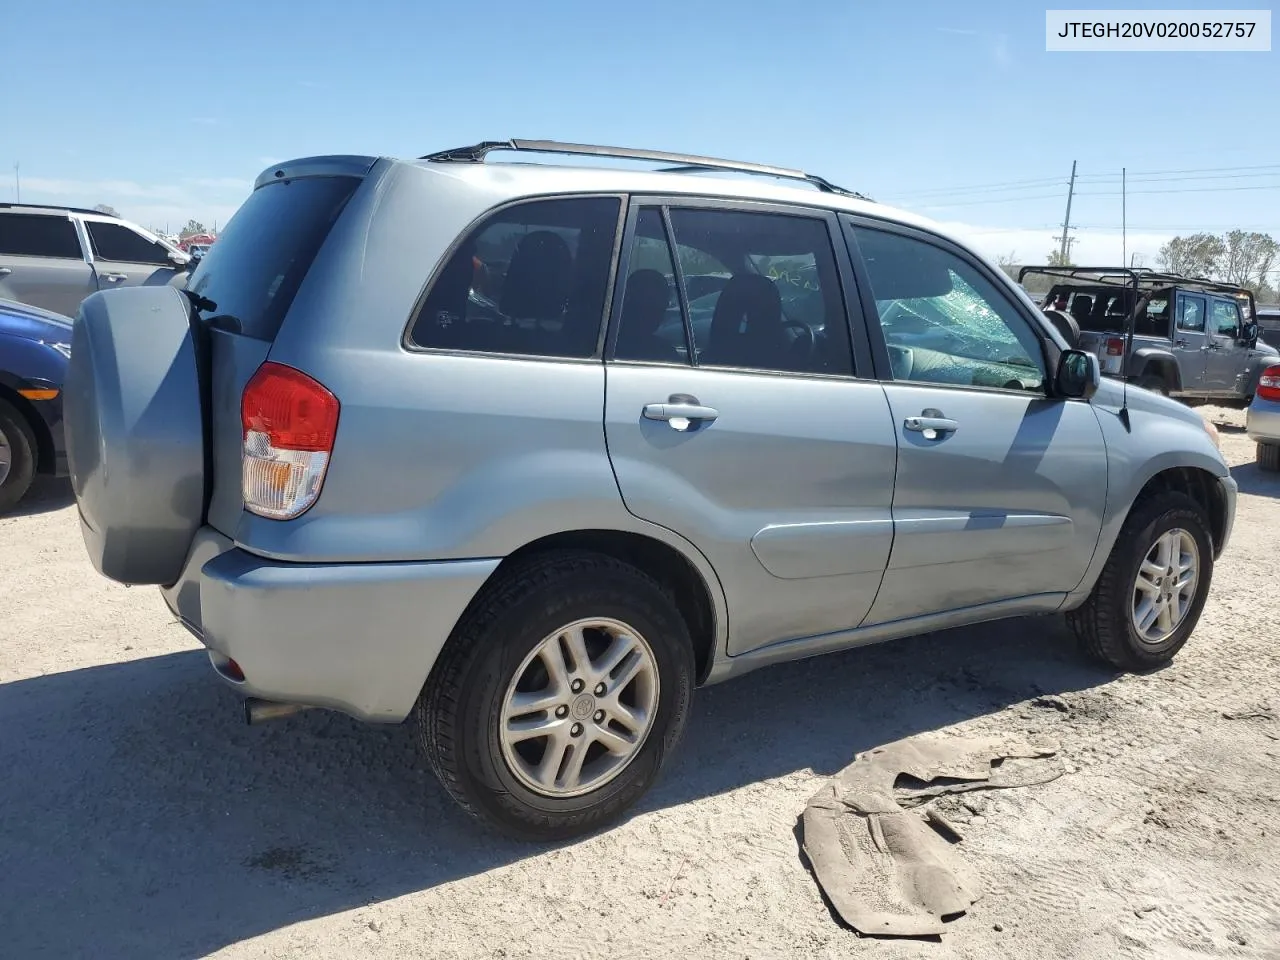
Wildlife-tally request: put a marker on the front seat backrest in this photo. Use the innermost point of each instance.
(1081, 308)
(746, 328)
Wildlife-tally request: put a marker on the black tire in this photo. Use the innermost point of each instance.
(22, 451)
(458, 713)
(1154, 383)
(1103, 624)
(1269, 457)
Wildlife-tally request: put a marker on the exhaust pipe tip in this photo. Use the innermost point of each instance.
(260, 711)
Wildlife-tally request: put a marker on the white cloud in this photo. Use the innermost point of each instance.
(207, 199)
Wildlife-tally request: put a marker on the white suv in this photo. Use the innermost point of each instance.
(54, 257)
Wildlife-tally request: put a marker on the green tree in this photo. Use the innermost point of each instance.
(1199, 255)
(108, 210)
(1056, 258)
(192, 228)
(1248, 257)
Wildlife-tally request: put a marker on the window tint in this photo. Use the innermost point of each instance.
(762, 290)
(943, 321)
(27, 235)
(1191, 314)
(114, 241)
(1226, 318)
(530, 280)
(254, 270)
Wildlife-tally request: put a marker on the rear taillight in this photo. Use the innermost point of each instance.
(290, 422)
(1115, 347)
(1269, 385)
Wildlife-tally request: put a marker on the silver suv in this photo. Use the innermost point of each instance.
(54, 257)
(529, 451)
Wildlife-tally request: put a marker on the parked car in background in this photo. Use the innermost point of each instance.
(1262, 423)
(34, 347)
(1192, 339)
(54, 257)
(1269, 324)
(370, 456)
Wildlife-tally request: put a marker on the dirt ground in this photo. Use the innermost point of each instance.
(140, 818)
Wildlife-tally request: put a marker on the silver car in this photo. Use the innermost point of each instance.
(1262, 423)
(53, 257)
(458, 441)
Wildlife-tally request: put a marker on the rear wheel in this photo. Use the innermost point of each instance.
(17, 457)
(1269, 456)
(557, 699)
(1149, 597)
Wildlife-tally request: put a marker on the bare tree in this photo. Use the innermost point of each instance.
(1248, 257)
(1008, 262)
(108, 210)
(1199, 255)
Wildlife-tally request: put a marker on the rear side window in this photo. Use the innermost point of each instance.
(529, 280)
(114, 241)
(25, 235)
(254, 270)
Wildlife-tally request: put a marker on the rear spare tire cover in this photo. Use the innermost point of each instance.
(135, 432)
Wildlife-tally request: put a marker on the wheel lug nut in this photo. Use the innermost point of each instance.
(600, 689)
(576, 730)
(577, 686)
(599, 717)
(562, 711)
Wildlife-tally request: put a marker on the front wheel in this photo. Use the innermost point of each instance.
(1149, 597)
(17, 457)
(559, 696)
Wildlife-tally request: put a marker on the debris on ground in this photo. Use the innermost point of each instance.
(887, 869)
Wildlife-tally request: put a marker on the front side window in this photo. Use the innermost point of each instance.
(116, 242)
(530, 280)
(1191, 314)
(35, 235)
(943, 321)
(762, 292)
(1226, 318)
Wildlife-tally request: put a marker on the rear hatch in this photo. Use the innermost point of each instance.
(155, 383)
(243, 288)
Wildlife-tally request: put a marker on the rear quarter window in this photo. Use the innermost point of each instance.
(253, 272)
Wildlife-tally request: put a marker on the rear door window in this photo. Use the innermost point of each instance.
(531, 280)
(35, 235)
(254, 270)
(115, 241)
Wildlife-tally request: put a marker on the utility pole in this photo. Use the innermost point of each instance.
(17, 184)
(1066, 222)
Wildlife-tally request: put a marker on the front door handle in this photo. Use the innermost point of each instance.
(680, 412)
(932, 427)
(115, 277)
(5, 271)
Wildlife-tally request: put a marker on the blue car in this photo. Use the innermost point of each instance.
(35, 346)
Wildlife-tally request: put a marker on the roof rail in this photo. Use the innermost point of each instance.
(680, 162)
(50, 206)
(1135, 276)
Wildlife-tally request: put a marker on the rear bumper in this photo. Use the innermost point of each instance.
(360, 638)
(1262, 423)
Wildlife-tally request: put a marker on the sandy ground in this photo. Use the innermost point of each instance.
(140, 818)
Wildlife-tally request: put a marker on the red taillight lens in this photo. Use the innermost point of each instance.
(1115, 347)
(290, 423)
(1269, 384)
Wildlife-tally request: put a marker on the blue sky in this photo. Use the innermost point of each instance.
(168, 111)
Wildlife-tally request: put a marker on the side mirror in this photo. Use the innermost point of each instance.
(1078, 375)
(178, 260)
(1250, 336)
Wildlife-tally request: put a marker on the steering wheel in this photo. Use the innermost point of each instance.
(806, 334)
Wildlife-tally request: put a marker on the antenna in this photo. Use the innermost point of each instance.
(17, 184)
(1130, 314)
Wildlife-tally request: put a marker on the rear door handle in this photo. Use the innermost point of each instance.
(931, 427)
(680, 412)
(5, 271)
(115, 277)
